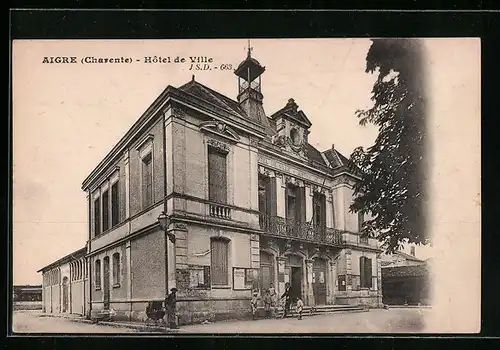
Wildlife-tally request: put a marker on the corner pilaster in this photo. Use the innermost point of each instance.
(309, 282)
(348, 276)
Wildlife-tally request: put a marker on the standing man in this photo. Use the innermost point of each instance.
(287, 296)
(170, 302)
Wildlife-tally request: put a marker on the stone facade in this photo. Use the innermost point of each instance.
(261, 236)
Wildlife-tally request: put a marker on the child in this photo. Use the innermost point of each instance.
(299, 306)
(253, 303)
(273, 296)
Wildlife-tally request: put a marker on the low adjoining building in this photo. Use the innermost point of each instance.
(64, 284)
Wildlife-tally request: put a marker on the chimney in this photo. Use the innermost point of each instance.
(333, 147)
(412, 251)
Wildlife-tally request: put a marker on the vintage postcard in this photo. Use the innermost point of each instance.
(246, 186)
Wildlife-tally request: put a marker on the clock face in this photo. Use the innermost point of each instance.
(295, 137)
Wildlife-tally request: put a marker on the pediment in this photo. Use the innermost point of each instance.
(221, 129)
(292, 113)
(300, 118)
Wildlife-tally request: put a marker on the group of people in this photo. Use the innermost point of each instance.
(271, 302)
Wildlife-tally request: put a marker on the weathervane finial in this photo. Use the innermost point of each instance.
(249, 53)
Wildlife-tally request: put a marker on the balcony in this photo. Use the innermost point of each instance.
(289, 228)
(219, 211)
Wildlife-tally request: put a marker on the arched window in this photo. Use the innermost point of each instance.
(219, 261)
(98, 274)
(116, 269)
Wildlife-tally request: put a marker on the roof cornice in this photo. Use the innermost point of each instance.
(75, 255)
(170, 94)
(116, 151)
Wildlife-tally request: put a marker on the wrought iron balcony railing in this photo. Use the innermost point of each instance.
(290, 228)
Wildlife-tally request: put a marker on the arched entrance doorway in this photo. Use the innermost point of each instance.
(266, 270)
(65, 295)
(293, 269)
(319, 281)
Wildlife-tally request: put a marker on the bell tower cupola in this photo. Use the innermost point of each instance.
(250, 96)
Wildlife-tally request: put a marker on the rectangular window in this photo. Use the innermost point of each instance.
(295, 203)
(291, 202)
(115, 205)
(319, 207)
(105, 210)
(219, 262)
(147, 181)
(217, 175)
(264, 207)
(361, 220)
(97, 217)
(365, 269)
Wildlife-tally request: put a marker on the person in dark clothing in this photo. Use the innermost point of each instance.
(288, 299)
(170, 302)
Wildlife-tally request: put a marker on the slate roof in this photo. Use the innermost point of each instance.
(405, 271)
(212, 96)
(314, 154)
(335, 158)
(197, 89)
(408, 256)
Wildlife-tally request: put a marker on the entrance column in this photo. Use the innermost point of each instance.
(177, 255)
(309, 297)
(128, 282)
(281, 274)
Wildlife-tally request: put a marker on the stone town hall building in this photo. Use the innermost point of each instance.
(249, 201)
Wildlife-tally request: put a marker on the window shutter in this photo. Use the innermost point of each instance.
(361, 219)
(323, 210)
(97, 218)
(147, 181)
(300, 204)
(368, 272)
(362, 271)
(217, 176)
(272, 196)
(105, 210)
(219, 260)
(115, 207)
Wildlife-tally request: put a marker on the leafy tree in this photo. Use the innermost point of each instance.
(393, 172)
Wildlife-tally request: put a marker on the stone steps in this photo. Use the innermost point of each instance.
(324, 309)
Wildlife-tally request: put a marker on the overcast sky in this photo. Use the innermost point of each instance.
(68, 117)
